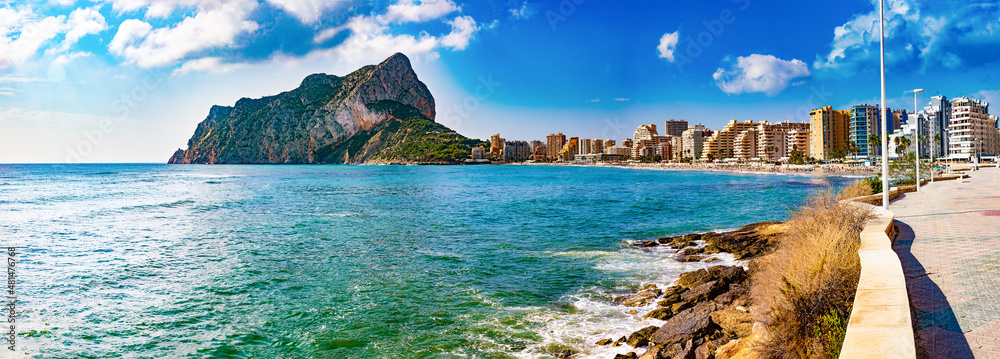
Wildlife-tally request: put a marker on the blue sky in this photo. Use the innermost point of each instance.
(128, 80)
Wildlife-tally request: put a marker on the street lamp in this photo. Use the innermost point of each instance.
(885, 133)
(917, 137)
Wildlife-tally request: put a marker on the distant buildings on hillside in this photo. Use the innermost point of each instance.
(959, 129)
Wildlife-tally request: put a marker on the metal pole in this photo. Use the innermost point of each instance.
(917, 137)
(885, 133)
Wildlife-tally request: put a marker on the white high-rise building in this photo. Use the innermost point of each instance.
(971, 130)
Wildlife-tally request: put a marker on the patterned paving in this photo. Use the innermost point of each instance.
(949, 244)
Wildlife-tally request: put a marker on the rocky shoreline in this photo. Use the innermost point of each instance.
(707, 312)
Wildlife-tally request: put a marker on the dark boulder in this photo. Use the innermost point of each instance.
(646, 244)
(686, 325)
(641, 337)
(704, 292)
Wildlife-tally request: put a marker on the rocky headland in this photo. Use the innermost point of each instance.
(380, 114)
(707, 312)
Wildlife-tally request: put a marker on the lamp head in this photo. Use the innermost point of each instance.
(918, 91)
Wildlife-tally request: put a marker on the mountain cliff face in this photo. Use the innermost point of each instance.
(377, 114)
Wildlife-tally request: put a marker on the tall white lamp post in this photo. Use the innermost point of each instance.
(917, 139)
(885, 131)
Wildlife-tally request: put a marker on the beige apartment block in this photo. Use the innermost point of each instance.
(720, 145)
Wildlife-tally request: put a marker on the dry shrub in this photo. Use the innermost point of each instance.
(857, 189)
(803, 290)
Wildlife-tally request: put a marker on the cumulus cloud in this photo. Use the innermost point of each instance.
(138, 43)
(23, 33)
(414, 11)
(371, 38)
(162, 8)
(919, 36)
(370, 41)
(129, 31)
(83, 22)
(667, 45)
(462, 29)
(307, 11)
(759, 73)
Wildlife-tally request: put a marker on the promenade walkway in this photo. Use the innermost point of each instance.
(949, 245)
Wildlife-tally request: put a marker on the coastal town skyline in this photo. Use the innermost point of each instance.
(142, 69)
(960, 129)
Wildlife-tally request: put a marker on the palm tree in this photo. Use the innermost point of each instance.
(874, 141)
(851, 147)
(937, 142)
(902, 143)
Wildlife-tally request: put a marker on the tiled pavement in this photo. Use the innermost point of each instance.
(949, 244)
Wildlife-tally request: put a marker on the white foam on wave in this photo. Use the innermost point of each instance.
(594, 316)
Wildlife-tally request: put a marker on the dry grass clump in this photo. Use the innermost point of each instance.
(803, 291)
(857, 189)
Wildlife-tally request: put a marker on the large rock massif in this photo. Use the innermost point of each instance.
(377, 114)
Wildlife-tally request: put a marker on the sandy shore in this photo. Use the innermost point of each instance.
(830, 169)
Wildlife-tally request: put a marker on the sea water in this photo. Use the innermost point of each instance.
(323, 261)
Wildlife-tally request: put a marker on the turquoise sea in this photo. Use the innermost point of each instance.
(227, 261)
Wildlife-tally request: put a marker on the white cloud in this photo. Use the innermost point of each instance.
(327, 34)
(621, 99)
(217, 27)
(595, 100)
(83, 22)
(307, 11)
(371, 42)
(23, 33)
(462, 29)
(162, 8)
(522, 13)
(7, 91)
(129, 32)
(413, 11)
(991, 96)
(17, 78)
(667, 45)
(759, 73)
(918, 36)
(67, 58)
(210, 64)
